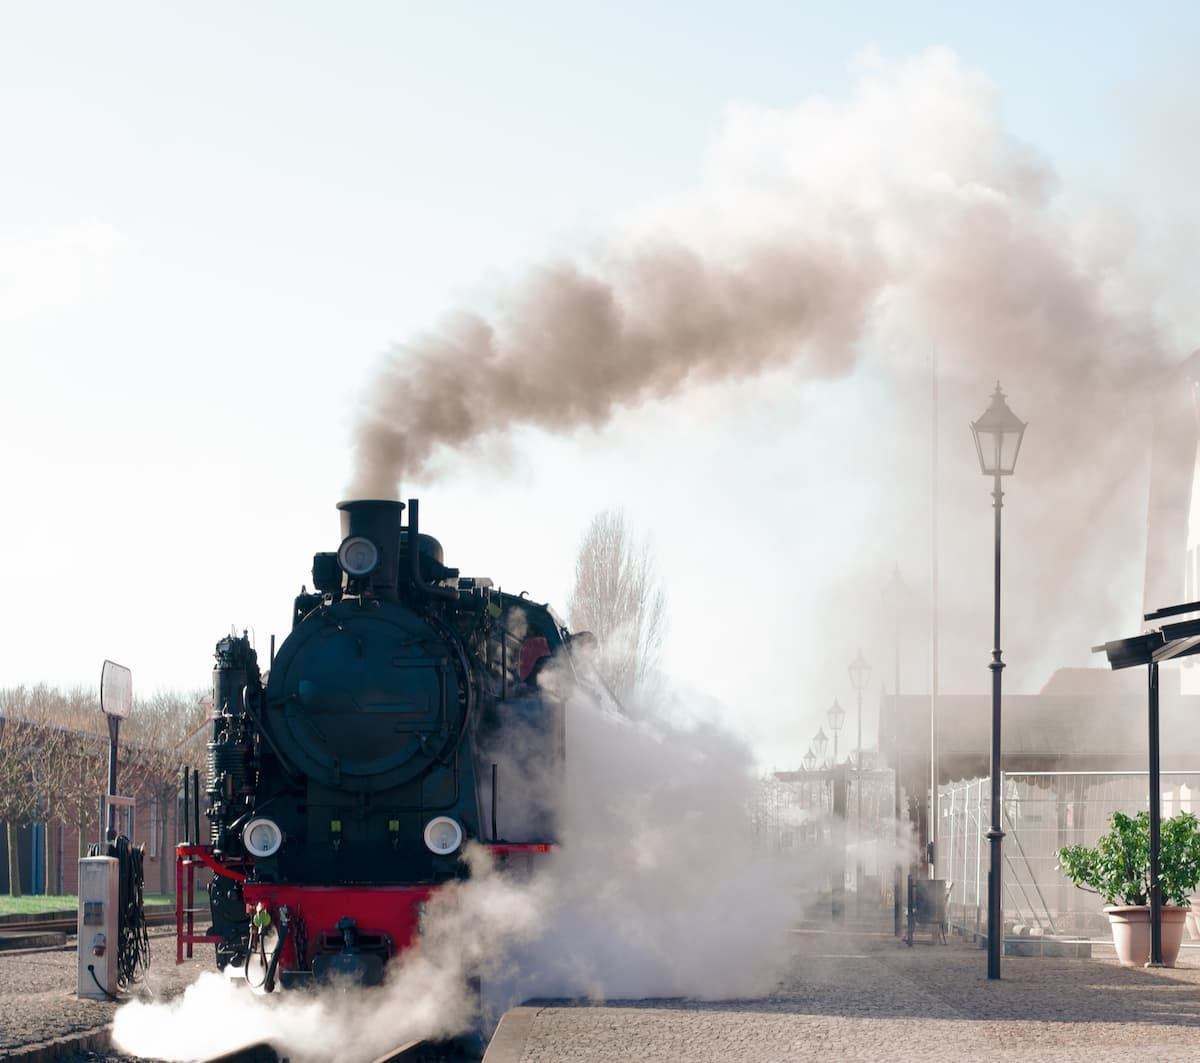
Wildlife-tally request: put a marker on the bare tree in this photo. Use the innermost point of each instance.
(619, 599)
(41, 756)
(85, 777)
(54, 764)
(158, 730)
(84, 769)
(17, 794)
(48, 771)
(30, 757)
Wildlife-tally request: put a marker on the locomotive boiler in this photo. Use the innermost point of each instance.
(409, 712)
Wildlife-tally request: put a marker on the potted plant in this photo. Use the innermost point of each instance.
(1117, 867)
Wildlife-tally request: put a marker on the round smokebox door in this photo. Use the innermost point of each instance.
(366, 703)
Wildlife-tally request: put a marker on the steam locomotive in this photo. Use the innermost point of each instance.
(408, 712)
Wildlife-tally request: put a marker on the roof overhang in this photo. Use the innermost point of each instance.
(1168, 643)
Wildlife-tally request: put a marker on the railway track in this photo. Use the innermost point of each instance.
(68, 925)
(409, 1052)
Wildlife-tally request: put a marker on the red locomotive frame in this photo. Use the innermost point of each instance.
(390, 914)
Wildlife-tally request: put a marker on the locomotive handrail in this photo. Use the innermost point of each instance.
(206, 858)
(186, 858)
(518, 847)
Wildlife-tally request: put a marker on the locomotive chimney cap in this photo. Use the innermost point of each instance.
(371, 543)
(351, 502)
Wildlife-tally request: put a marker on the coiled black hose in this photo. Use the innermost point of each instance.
(133, 936)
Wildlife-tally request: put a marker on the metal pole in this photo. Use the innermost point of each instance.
(196, 805)
(839, 843)
(114, 730)
(1155, 824)
(187, 819)
(932, 827)
(897, 874)
(995, 835)
(858, 787)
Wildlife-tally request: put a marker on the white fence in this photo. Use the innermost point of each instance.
(1042, 812)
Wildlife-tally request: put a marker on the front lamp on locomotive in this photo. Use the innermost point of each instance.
(408, 712)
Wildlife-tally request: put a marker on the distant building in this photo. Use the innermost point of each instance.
(49, 852)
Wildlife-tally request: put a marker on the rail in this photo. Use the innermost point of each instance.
(409, 1052)
(68, 924)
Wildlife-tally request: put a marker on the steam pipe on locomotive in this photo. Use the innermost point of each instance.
(343, 784)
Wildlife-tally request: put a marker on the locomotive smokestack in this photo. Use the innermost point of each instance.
(377, 520)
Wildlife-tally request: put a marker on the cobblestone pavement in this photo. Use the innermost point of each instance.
(859, 995)
(37, 991)
(867, 996)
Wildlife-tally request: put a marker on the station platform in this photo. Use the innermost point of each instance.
(855, 992)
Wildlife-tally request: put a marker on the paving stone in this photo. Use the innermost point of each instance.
(870, 997)
(852, 993)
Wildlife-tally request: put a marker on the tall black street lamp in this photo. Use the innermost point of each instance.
(998, 441)
(836, 717)
(859, 671)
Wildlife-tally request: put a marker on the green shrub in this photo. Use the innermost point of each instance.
(1117, 867)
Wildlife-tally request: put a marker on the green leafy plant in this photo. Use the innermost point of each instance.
(1117, 867)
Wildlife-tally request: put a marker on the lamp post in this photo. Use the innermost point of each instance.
(820, 743)
(837, 809)
(859, 671)
(809, 763)
(836, 717)
(998, 441)
(896, 590)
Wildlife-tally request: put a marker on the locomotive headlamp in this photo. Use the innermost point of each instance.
(443, 835)
(358, 556)
(262, 837)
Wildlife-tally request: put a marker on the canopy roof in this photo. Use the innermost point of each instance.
(1085, 719)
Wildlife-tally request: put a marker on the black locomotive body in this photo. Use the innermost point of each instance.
(408, 712)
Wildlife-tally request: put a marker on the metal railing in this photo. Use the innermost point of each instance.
(1042, 813)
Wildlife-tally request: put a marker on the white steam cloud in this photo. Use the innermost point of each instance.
(905, 212)
(846, 236)
(656, 890)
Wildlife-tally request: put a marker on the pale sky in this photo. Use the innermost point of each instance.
(216, 220)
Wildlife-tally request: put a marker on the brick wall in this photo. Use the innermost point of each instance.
(63, 843)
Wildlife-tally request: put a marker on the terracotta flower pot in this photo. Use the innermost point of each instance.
(1131, 933)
